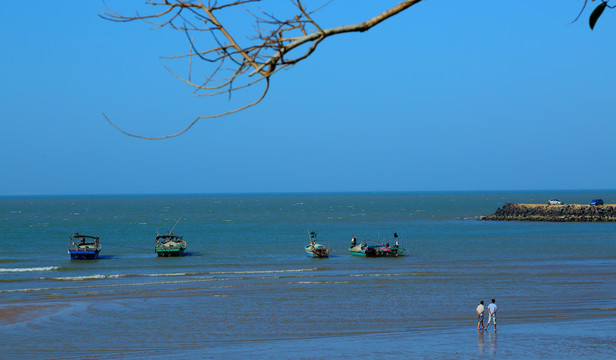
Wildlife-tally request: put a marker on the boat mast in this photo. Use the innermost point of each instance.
(171, 232)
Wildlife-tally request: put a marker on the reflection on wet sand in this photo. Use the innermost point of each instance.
(492, 342)
(481, 343)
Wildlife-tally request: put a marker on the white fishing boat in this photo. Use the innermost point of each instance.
(314, 249)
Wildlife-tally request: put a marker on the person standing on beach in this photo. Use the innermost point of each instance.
(492, 314)
(480, 315)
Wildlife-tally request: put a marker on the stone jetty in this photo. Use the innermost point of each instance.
(556, 213)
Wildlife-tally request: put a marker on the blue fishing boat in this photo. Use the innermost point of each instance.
(315, 250)
(84, 247)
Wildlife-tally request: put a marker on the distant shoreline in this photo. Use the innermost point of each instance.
(554, 213)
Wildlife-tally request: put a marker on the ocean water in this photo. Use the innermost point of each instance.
(246, 289)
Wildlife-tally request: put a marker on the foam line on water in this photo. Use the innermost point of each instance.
(42, 268)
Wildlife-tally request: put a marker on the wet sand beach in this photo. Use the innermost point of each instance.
(549, 340)
(15, 314)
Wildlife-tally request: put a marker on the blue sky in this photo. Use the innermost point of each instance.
(447, 96)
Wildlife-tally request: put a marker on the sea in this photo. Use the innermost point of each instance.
(247, 290)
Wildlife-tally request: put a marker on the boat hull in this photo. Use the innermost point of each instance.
(170, 252)
(357, 253)
(83, 254)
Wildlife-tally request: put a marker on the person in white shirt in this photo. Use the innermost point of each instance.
(480, 315)
(492, 314)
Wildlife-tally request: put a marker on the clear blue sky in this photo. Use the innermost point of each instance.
(449, 95)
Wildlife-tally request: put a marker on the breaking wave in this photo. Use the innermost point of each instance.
(43, 268)
(261, 271)
(86, 277)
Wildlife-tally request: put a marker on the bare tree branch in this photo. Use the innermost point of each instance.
(232, 61)
(194, 121)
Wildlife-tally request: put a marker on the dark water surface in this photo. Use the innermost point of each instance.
(247, 290)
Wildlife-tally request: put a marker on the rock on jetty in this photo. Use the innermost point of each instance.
(557, 213)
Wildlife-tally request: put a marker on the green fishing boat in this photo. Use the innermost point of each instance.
(170, 244)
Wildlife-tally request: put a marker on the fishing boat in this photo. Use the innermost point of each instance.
(170, 244)
(382, 250)
(314, 249)
(84, 247)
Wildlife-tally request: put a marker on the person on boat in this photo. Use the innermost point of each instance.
(313, 237)
(396, 242)
(353, 241)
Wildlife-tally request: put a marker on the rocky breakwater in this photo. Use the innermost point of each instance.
(557, 213)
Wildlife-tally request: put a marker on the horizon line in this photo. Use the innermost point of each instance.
(304, 193)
